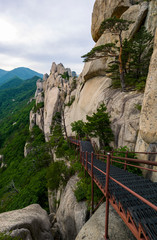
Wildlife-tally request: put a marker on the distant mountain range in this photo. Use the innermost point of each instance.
(21, 72)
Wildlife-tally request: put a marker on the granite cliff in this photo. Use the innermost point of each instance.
(83, 95)
(77, 97)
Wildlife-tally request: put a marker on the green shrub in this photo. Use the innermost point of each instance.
(70, 102)
(38, 106)
(65, 75)
(138, 107)
(121, 152)
(77, 127)
(58, 174)
(4, 236)
(83, 190)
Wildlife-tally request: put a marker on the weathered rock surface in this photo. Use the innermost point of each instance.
(95, 227)
(71, 215)
(106, 9)
(136, 14)
(148, 120)
(147, 138)
(151, 20)
(30, 223)
(50, 107)
(120, 105)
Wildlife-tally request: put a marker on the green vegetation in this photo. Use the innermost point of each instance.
(138, 107)
(23, 180)
(14, 82)
(135, 58)
(121, 152)
(65, 75)
(38, 106)
(74, 84)
(58, 174)
(97, 125)
(78, 128)
(83, 190)
(70, 102)
(21, 72)
(4, 236)
(116, 26)
(129, 67)
(13, 99)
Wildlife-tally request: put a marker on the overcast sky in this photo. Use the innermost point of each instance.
(34, 33)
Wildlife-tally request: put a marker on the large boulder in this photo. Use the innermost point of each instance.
(71, 215)
(30, 223)
(95, 227)
(106, 9)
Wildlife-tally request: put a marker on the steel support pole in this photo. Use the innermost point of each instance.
(86, 161)
(92, 182)
(125, 166)
(77, 152)
(107, 196)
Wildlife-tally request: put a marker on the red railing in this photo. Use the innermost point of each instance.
(138, 233)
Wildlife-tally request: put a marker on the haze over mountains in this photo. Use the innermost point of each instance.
(21, 72)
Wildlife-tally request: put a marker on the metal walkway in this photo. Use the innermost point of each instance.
(140, 217)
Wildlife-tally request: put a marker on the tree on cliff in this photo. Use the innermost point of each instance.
(116, 26)
(135, 59)
(140, 51)
(97, 125)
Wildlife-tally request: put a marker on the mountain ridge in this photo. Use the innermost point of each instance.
(20, 72)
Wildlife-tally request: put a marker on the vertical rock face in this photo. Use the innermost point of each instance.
(147, 138)
(50, 108)
(71, 215)
(148, 120)
(95, 87)
(50, 95)
(151, 21)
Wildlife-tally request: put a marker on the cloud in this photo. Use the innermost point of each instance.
(38, 32)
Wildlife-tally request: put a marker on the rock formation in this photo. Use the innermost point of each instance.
(71, 215)
(51, 91)
(94, 228)
(131, 127)
(95, 87)
(30, 223)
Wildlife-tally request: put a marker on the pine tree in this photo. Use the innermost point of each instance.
(98, 125)
(140, 54)
(116, 26)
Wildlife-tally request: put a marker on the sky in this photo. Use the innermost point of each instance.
(35, 33)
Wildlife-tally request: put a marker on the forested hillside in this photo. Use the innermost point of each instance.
(20, 177)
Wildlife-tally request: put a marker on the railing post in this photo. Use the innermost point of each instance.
(86, 161)
(82, 161)
(107, 196)
(125, 166)
(111, 156)
(92, 182)
(77, 152)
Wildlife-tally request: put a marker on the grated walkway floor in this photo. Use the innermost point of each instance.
(140, 212)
